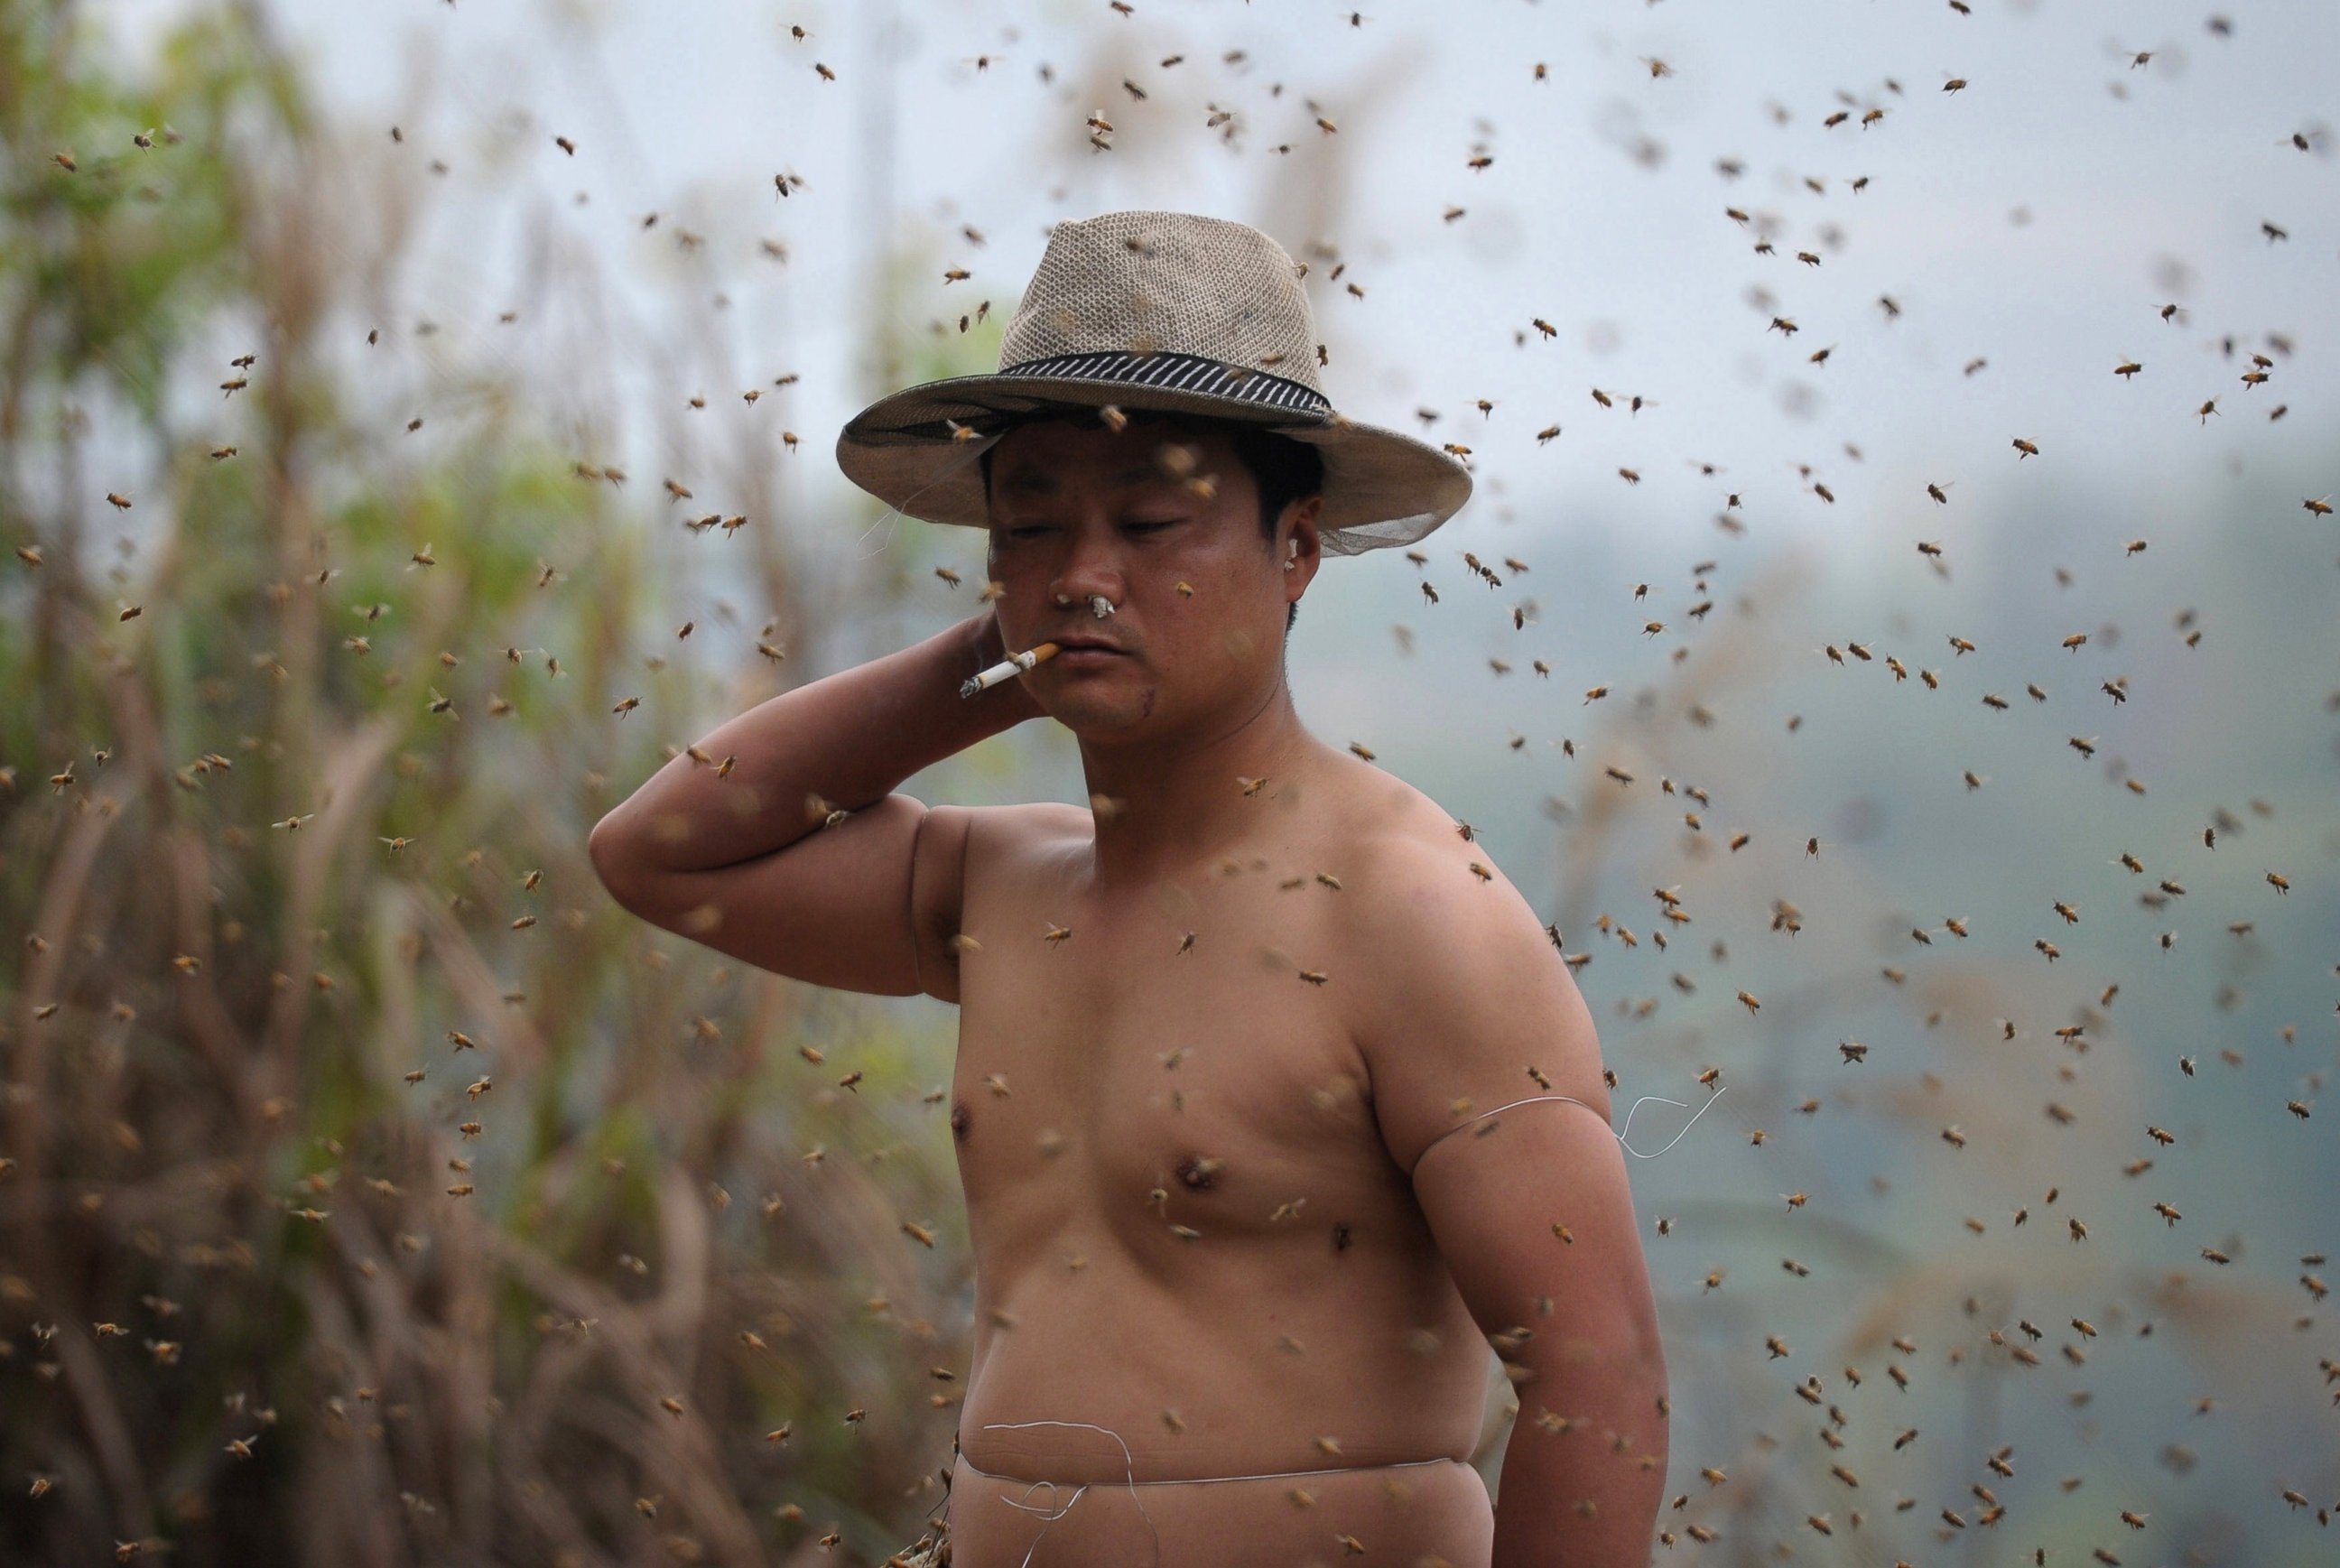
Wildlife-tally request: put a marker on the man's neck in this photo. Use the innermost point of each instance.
(1178, 805)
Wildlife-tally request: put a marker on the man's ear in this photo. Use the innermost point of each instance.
(1303, 548)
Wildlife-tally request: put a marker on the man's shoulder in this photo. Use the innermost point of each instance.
(1427, 887)
(1002, 839)
(1452, 988)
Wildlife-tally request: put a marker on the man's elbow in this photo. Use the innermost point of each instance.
(1647, 1350)
(1622, 1349)
(1635, 1352)
(615, 860)
(1652, 1364)
(1650, 1355)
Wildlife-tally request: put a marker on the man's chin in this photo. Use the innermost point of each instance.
(1105, 717)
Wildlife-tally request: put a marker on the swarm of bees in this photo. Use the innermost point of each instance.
(2035, 1136)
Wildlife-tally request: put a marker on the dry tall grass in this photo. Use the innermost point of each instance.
(369, 1202)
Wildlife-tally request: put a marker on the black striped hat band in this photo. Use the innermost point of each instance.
(1180, 372)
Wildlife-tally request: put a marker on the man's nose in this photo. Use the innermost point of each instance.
(1092, 561)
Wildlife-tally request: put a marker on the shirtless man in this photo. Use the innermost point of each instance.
(1235, 1280)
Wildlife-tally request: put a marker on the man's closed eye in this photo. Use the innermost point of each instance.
(1033, 530)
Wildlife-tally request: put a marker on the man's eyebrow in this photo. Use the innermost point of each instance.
(1035, 481)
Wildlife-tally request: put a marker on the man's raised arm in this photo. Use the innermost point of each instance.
(741, 859)
(848, 739)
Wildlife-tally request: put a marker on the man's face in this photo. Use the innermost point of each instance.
(1080, 508)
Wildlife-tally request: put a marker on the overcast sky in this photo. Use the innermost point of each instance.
(2030, 226)
(2035, 219)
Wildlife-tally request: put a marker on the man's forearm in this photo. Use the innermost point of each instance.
(849, 738)
(1585, 1473)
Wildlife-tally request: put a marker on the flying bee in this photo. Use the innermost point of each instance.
(2025, 447)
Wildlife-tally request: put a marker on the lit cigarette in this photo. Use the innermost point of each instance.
(1013, 665)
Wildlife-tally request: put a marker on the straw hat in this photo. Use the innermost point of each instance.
(1162, 311)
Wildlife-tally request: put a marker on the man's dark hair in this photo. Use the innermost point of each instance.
(1282, 470)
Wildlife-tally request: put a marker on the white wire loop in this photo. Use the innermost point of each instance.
(1613, 1133)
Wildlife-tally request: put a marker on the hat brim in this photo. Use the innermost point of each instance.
(1382, 488)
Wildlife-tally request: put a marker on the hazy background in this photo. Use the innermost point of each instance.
(428, 1394)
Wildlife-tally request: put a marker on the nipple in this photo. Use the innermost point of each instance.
(1201, 1172)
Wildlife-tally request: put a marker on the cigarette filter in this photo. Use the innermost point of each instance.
(1014, 664)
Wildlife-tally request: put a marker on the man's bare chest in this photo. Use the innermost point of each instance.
(1172, 1075)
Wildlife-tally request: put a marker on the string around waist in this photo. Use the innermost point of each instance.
(1080, 1489)
(972, 1469)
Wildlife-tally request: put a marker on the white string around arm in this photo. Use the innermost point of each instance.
(1613, 1133)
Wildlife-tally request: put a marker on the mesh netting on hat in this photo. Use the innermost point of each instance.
(1151, 282)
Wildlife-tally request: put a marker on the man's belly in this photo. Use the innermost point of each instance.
(1360, 1405)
